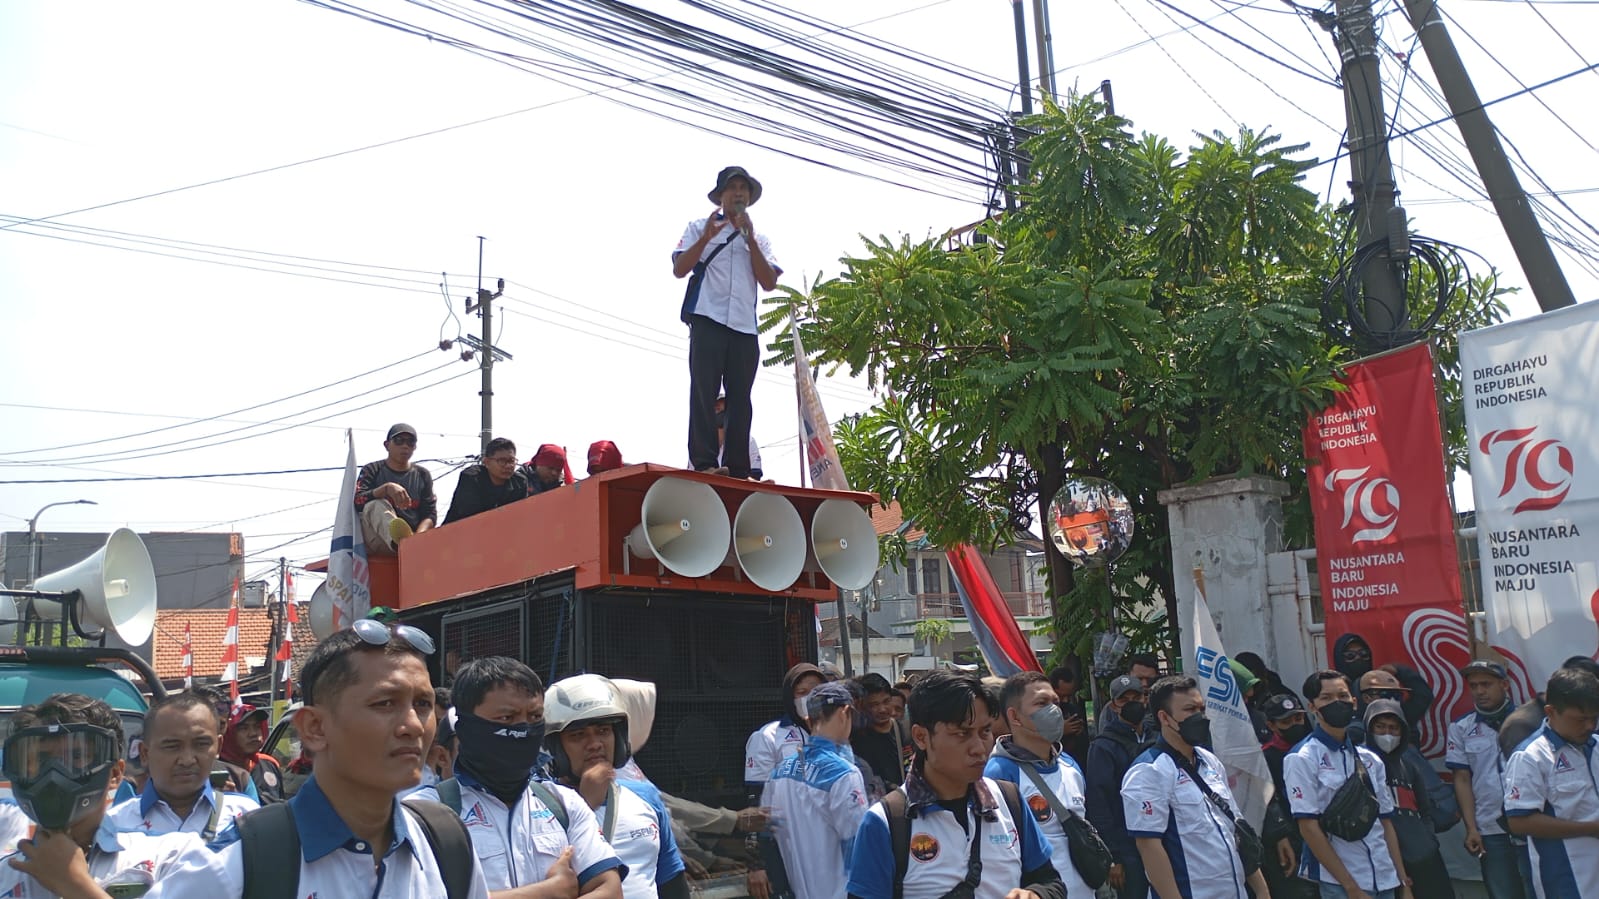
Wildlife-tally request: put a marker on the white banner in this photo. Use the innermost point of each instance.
(1529, 389)
(1232, 736)
(347, 574)
(825, 470)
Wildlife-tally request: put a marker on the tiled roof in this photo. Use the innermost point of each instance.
(206, 627)
(891, 519)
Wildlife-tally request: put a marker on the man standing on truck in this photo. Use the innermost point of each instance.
(180, 750)
(69, 747)
(394, 498)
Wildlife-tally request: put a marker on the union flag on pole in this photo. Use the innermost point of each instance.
(230, 648)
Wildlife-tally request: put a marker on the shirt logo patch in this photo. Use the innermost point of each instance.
(856, 798)
(1515, 792)
(1039, 806)
(1007, 838)
(1182, 777)
(1298, 793)
(1326, 762)
(1147, 808)
(474, 815)
(924, 848)
(1562, 763)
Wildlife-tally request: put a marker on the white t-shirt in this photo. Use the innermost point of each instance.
(1547, 774)
(1474, 748)
(1312, 773)
(129, 858)
(728, 293)
(1066, 781)
(149, 813)
(1161, 801)
(517, 846)
(768, 746)
(333, 862)
(642, 839)
(818, 800)
(939, 849)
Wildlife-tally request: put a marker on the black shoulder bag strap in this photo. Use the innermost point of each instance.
(896, 809)
(210, 832)
(450, 793)
(691, 294)
(1240, 826)
(452, 847)
(1061, 811)
(271, 852)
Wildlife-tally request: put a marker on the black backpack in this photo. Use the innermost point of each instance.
(896, 809)
(272, 850)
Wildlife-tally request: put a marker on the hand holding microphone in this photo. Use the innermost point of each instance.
(741, 221)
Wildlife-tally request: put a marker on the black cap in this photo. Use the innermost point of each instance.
(728, 174)
(396, 430)
(1494, 668)
(1282, 706)
(1123, 685)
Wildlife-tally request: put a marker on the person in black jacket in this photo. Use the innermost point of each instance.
(493, 483)
(1109, 756)
(1424, 805)
(1285, 718)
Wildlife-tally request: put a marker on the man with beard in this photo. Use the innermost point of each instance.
(1473, 754)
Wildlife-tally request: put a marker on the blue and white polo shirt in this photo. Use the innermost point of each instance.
(768, 746)
(818, 800)
(1473, 747)
(1066, 781)
(149, 813)
(642, 839)
(1162, 802)
(939, 846)
(1312, 773)
(517, 846)
(1560, 779)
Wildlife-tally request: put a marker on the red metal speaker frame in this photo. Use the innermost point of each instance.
(584, 527)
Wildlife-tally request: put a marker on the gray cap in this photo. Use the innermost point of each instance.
(826, 697)
(1124, 684)
(398, 429)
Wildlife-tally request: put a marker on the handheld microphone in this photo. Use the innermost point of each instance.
(735, 210)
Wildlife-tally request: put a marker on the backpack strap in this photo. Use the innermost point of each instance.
(896, 809)
(271, 852)
(449, 791)
(608, 830)
(1013, 801)
(452, 847)
(551, 801)
(210, 832)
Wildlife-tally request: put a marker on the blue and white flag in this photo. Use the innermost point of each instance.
(347, 574)
(1232, 736)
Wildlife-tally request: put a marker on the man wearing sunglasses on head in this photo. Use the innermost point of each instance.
(63, 758)
(369, 719)
(394, 498)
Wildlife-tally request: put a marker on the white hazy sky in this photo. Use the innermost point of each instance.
(581, 199)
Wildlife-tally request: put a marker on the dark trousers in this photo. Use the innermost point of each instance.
(1501, 868)
(1430, 878)
(720, 359)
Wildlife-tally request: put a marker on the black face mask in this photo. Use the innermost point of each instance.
(1133, 713)
(1357, 666)
(1293, 733)
(1195, 730)
(1337, 714)
(502, 756)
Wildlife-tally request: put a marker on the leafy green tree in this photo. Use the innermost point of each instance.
(1146, 316)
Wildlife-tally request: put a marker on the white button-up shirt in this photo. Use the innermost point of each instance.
(728, 293)
(768, 746)
(1161, 801)
(1560, 779)
(149, 813)
(134, 859)
(516, 846)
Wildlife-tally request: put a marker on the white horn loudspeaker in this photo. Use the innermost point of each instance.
(322, 612)
(116, 587)
(683, 525)
(769, 541)
(845, 544)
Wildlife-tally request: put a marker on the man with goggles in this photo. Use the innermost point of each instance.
(369, 719)
(63, 759)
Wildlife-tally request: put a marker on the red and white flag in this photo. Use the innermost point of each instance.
(286, 648)
(230, 647)
(188, 659)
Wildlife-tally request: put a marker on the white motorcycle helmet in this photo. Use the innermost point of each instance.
(579, 701)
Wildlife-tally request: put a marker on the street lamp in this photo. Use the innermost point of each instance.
(33, 535)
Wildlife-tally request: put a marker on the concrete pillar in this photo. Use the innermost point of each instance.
(1227, 527)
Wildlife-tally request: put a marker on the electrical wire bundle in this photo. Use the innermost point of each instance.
(1428, 272)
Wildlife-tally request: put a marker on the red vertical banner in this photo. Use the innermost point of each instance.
(1385, 541)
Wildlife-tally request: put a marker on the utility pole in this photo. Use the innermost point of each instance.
(278, 612)
(1110, 99)
(1023, 82)
(1372, 176)
(1046, 53)
(490, 353)
(1521, 226)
